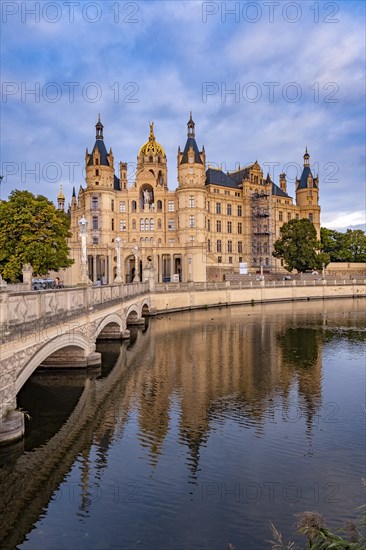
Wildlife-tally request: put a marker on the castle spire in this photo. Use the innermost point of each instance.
(99, 129)
(306, 157)
(190, 126)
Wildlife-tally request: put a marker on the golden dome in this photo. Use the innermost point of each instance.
(151, 147)
(61, 196)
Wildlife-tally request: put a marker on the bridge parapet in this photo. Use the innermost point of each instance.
(21, 308)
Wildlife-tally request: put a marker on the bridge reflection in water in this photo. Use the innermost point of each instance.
(188, 375)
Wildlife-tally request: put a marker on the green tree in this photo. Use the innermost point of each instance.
(299, 246)
(32, 231)
(344, 247)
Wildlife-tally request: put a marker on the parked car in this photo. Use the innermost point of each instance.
(42, 284)
(166, 279)
(287, 278)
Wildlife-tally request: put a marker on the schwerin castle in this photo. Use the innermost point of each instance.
(213, 224)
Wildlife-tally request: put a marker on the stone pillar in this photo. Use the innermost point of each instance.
(11, 427)
(94, 269)
(27, 275)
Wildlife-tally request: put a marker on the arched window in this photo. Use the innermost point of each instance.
(146, 239)
(133, 206)
(152, 224)
(146, 224)
(159, 206)
(142, 227)
(133, 224)
(159, 224)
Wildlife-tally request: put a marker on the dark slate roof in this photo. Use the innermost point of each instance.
(191, 142)
(240, 174)
(117, 183)
(99, 144)
(278, 191)
(304, 178)
(217, 177)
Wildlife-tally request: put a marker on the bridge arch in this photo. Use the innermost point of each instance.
(113, 321)
(74, 342)
(132, 314)
(145, 308)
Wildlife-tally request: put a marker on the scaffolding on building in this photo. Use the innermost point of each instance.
(261, 234)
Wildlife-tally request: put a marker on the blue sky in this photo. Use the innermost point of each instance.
(295, 70)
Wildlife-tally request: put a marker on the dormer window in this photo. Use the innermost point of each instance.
(96, 161)
(97, 172)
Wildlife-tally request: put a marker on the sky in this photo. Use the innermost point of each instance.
(264, 79)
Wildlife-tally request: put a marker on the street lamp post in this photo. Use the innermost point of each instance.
(136, 278)
(118, 278)
(84, 279)
(323, 269)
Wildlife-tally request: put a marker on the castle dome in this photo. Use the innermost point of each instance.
(152, 147)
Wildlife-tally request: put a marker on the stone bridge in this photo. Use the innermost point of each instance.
(59, 328)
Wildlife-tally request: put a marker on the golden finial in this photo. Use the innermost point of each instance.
(151, 136)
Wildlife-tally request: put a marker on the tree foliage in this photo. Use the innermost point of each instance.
(299, 246)
(344, 247)
(32, 231)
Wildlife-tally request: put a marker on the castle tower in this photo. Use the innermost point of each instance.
(61, 199)
(307, 194)
(152, 160)
(192, 196)
(100, 164)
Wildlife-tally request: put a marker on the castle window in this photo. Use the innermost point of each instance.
(240, 210)
(97, 161)
(255, 179)
(170, 206)
(230, 246)
(218, 226)
(191, 201)
(159, 205)
(112, 224)
(240, 247)
(112, 205)
(228, 209)
(208, 225)
(218, 245)
(122, 225)
(133, 206)
(230, 259)
(240, 228)
(95, 240)
(288, 216)
(147, 225)
(94, 203)
(311, 217)
(297, 216)
(142, 225)
(95, 222)
(97, 183)
(191, 221)
(229, 227)
(171, 225)
(134, 224)
(151, 158)
(159, 224)
(122, 206)
(218, 208)
(97, 172)
(280, 216)
(208, 206)
(208, 245)
(152, 224)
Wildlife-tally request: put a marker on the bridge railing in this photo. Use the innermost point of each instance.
(221, 285)
(26, 307)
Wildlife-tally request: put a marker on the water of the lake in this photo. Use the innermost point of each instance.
(199, 432)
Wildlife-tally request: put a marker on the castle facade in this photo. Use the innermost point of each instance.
(214, 223)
